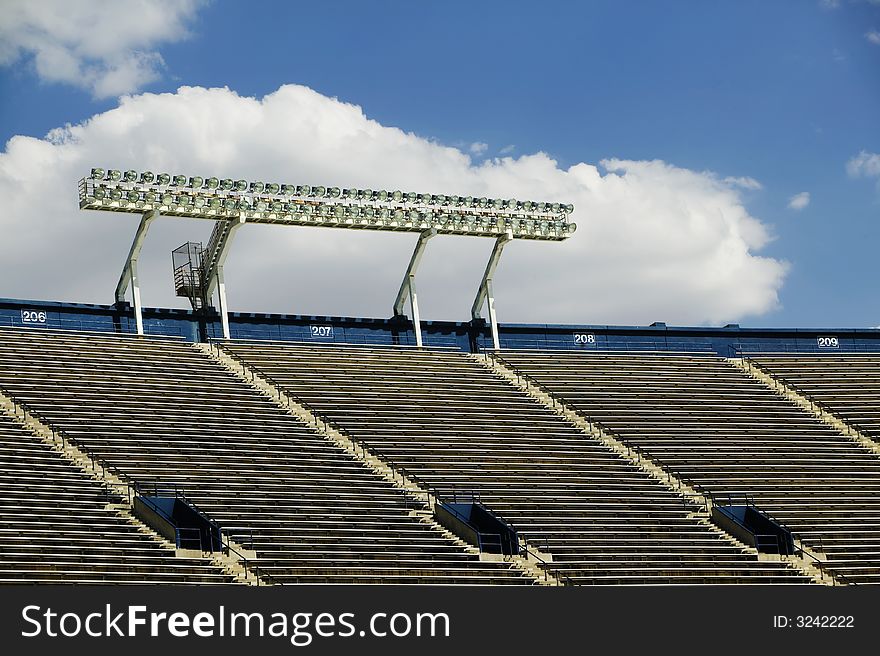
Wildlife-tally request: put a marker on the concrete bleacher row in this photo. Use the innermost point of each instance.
(729, 433)
(847, 384)
(55, 526)
(163, 412)
(464, 430)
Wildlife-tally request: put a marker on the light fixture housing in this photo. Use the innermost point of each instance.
(288, 204)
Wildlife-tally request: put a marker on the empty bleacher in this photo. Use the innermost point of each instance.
(162, 412)
(848, 385)
(726, 431)
(55, 526)
(464, 430)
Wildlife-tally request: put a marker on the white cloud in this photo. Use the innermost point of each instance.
(507, 150)
(744, 182)
(873, 36)
(799, 201)
(654, 241)
(864, 165)
(478, 147)
(104, 46)
(830, 4)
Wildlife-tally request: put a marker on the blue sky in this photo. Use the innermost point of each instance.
(785, 93)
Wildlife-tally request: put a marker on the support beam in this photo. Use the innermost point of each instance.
(219, 245)
(408, 286)
(129, 271)
(484, 293)
(224, 311)
(213, 260)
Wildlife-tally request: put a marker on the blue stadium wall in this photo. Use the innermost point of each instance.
(468, 336)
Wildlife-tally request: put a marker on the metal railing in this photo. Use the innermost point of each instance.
(708, 497)
(781, 383)
(133, 488)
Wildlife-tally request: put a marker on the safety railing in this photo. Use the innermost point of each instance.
(128, 487)
(781, 383)
(603, 345)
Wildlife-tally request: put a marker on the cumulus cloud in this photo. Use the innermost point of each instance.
(799, 201)
(507, 150)
(478, 148)
(654, 241)
(873, 36)
(104, 46)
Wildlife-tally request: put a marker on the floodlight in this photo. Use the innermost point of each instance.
(261, 202)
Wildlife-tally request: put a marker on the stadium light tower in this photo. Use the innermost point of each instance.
(233, 203)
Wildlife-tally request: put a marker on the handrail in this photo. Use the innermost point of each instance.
(130, 484)
(708, 495)
(781, 381)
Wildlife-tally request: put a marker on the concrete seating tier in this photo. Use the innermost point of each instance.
(464, 431)
(847, 384)
(56, 526)
(726, 431)
(165, 413)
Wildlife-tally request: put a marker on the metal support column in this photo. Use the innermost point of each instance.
(129, 271)
(408, 286)
(214, 258)
(485, 294)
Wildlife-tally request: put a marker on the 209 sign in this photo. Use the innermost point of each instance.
(828, 342)
(33, 316)
(322, 332)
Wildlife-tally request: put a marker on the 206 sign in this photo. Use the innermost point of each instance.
(33, 316)
(828, 342)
